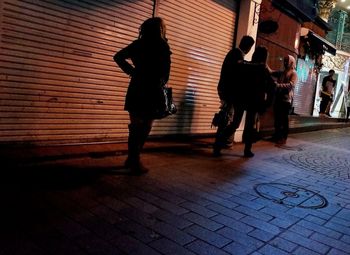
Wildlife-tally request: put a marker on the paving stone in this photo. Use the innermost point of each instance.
(254, 213)
(113, 203)
(280, 213)
(174, 209)
(261, 235)
(208, 236)
(337, 252)
(139, 216)
(203, 221)
(70, 228)
(304, 251)
(315, 220)
(107, 214)
(237, 248)
(346, 238)
(301, 231)
(144, 196)
(306, 242)
(298, 212)
(280, 223)
(240, 237)
(131, 246)
(95, 245)
(283, 244)
(251, 204)
(225, 211)
(165, 246)
(102, 228)
(234, 224)
(250, 196)
(203, 248)
(340, 221)
(172, 233)
(319, 229)
(271, 250)
(172, 219)
(198, 209)
(331, 242)
(320, 214)
(337, 227)
(188, 196)
(344, 214)
(262, 225)
(142, 205)
(165, 194)
(221, 201)
(137, 231)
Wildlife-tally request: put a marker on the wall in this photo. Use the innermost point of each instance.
(279, 44)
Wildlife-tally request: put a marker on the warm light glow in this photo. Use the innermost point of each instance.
(348, 7)
(342, 1)
(297, 41)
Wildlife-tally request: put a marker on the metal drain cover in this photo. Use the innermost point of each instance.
(291, 195)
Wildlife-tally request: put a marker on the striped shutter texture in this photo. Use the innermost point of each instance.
(200, 34)
(59, 83)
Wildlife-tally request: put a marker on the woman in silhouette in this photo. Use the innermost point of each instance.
(149, 71)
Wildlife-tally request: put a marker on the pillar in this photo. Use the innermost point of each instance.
(248, 21)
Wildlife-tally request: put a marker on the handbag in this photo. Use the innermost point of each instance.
(220, 118)
(167, 106)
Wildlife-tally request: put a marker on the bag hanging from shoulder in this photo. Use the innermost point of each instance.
(167, 106)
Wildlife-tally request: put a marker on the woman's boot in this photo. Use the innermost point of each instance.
(134, 148)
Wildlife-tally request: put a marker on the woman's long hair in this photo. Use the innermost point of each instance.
(153, 28)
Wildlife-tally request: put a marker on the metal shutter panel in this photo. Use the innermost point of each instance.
(59, 83)
(200, 34)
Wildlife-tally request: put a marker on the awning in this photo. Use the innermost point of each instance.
(321, 43)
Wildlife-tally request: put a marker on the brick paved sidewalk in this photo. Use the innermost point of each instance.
(286, 200)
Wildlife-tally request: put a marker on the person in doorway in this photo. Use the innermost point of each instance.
(328, 84)
(149, 71)
(227, 82)
(254, 93)
(285, 84)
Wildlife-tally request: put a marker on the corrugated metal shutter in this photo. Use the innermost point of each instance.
(59, 83)
(200, 34)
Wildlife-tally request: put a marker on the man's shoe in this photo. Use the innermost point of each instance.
(135, 167)
(281, 141)
(138, 169)
(217, 151)
(228, 145)
(248, 154)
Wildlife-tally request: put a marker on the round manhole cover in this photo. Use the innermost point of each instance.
(331, 163)
(291, 195)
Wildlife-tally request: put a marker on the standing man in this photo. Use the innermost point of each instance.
(228, 78)
(328, 84)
